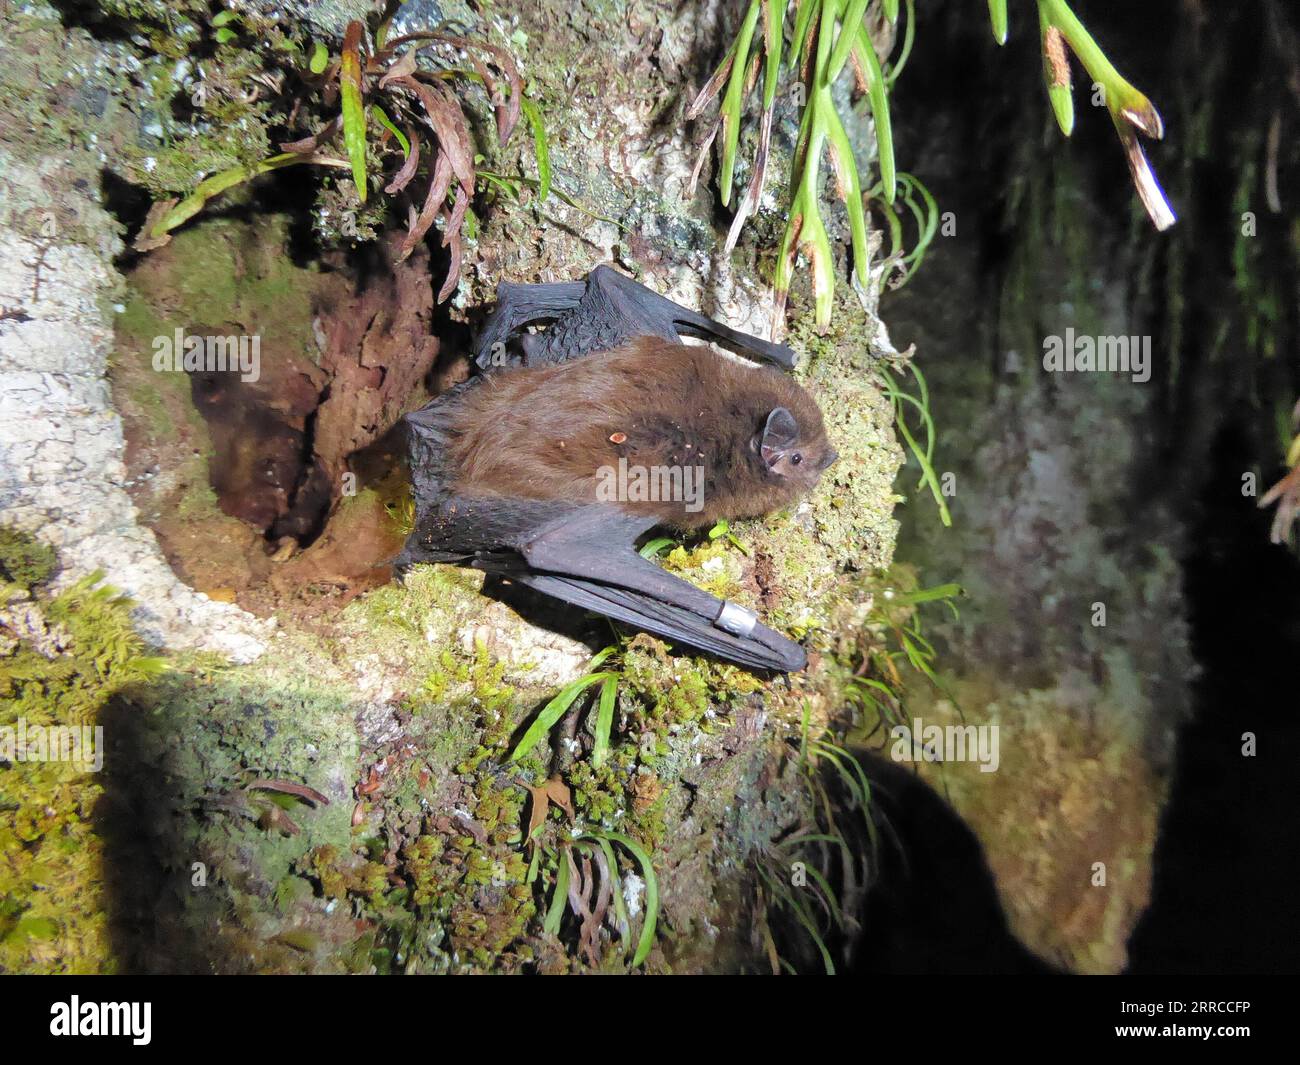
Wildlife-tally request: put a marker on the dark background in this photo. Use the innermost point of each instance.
(971, 119)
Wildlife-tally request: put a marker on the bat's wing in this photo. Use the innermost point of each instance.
(588, 557)
(641, 308)
(451, 527)
(599, 314)
(518, 306)
(760, 649)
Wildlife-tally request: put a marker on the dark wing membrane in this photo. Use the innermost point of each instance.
(761, 649)
(588, 557)
(450, 528)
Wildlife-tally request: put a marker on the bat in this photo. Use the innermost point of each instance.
(574, 442)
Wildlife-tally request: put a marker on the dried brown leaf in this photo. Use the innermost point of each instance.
(451, 239)
(448, 122)
(711, 87)
(403, 67)
(159, 211)
(288, 787)
(309, 144)
(419, 224)
(403, 177)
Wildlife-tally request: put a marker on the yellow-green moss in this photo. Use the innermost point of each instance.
(59, 666)
(24, 560)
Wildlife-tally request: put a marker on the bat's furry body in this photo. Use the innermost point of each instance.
(544, 432)
(509, 468)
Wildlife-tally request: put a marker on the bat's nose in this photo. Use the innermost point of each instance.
(830, 458)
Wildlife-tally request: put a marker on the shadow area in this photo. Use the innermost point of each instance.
(933, 907)
(206, 869)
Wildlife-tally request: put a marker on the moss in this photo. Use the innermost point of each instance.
(344, 873)
(672, 692)
(24, 559)
(714, 565)
(852, 521)
(599, 794)
(433, 598)
(474, 890)
(62, 659)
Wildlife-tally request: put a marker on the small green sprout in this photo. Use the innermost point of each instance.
(924, 455)
(722, 530)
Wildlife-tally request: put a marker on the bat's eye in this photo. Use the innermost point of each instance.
(795, 459)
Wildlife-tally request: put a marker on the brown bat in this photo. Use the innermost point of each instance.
(602, 428)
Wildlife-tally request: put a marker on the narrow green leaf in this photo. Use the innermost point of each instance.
(730, 109)
(320, 57)
(929, 595)
(552, 712)
(799, 908)
(601, 656)
(880, 113)
(559, 896)
(225, 35)
(828, 893)
(846, 166)
(929, 227)
(219, 183)
(653, 547)
(923, 456)
(998, 17)
(848, 35)
(382, 118)
(802, 24)
(223, 17)
(1059, 95)
(354, 113)
(822, 259)
(604, 721)
(773, 35)
(909, 36)
(540, 148)
(651, 919)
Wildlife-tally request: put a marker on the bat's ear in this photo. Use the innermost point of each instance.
(779, 435)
